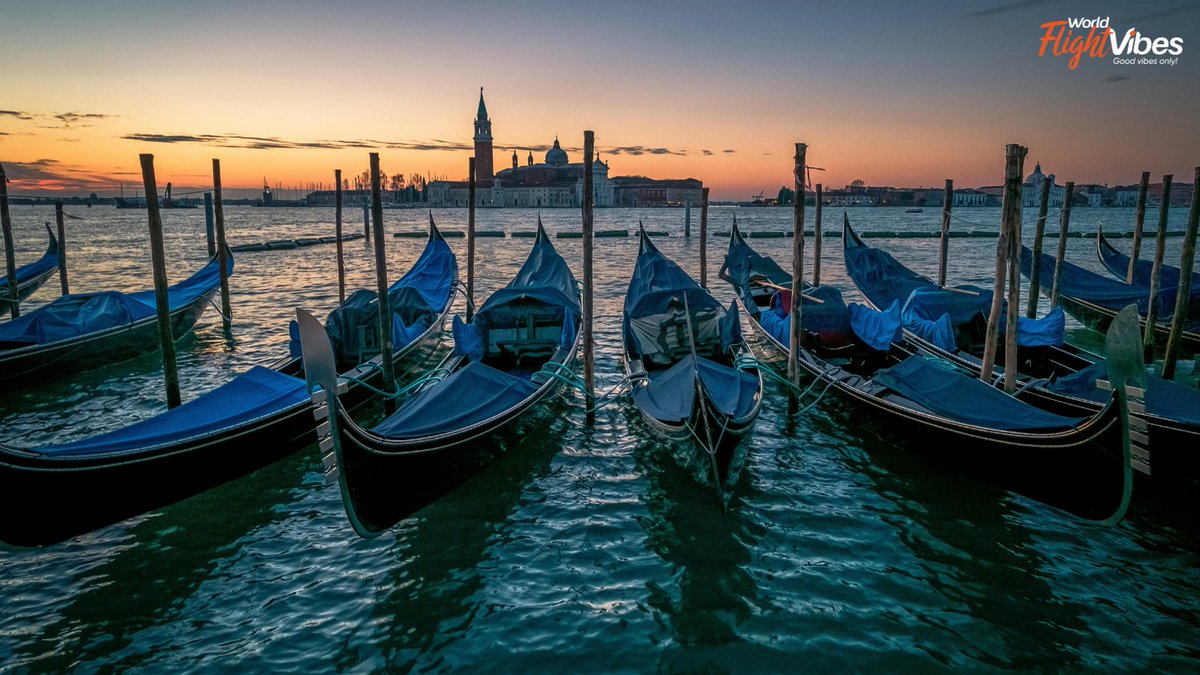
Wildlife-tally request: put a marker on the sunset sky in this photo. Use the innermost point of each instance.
(289, 91)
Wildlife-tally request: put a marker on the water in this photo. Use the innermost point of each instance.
(582, 548)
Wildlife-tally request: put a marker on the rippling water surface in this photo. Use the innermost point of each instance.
(581, 549)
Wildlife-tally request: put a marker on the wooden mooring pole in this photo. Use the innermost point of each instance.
(1014, 158)
(381, 284)
(470, 238)
(1064, 227)
(944, 243)
(1014, 282)
(63, 283)
(337, 231)
(1183, 294)
(1160, 250)
(210, 235)
(794, 333)
(704, 237)
(366, 221)
(589, 309)
(817, 239)
(1136, 250)
(161, 300)
(687, 218)
(222, 248)
(10, 252)
(1035, 268)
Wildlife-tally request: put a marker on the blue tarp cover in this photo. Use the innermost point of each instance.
(79, 314)
(416, 299)
(830, 321)
(672, 392)
(743, 263)
(466, 340)
(939, 333)
(1048, 331)
(881, 277)
(930, 303)
(656, 280)
(878, 330)
(474, 393)
(1168, 276)
(966, 399)
(1077, 282)
(1164, 398)
(253, 394)
(544, 277)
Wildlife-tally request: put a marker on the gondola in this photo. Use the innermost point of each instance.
(51, 493)
(1117, 264)
(681, 352)
(1095, 299)
(857, 352)
(31, 277)
(504, 362)
(949, 323)
(85, 330)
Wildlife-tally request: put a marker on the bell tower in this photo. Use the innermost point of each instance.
(484, 171)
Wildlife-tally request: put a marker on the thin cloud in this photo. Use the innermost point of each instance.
(5, 133)
(78, 119)
(1007, 7)
(275, 143)
(1170, 11)
(642, 150)
(53, 176)
(16, 113)
(729, 152)
(707, 153)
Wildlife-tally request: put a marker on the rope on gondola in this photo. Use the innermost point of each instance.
(569, 377)
(217, 308)
(435, 375)
(747, 361)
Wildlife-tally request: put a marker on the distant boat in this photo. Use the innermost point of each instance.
(918, 210)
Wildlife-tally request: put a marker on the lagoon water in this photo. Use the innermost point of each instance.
(581, 549)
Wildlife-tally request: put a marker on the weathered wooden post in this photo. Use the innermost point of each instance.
(1011, 361)
(222, 249)
(944, 243)
(366, 221)
(1137, 227)
(10, 251)
(1014, 158)
(687, 218)
(1183, 294)
(817, 239)
(797, 268)
(210, 235)
(161, 300)
(381, 284)
(589, 311)
(470, 237)
(704, 237)
(1064, 226)
(64, 285)
(337, 231)
(1035, 268)
(1160, 249)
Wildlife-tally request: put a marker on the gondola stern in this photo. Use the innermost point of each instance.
(1128, 381)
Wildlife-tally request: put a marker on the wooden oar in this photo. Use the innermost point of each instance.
(964, 291)
(806, 296)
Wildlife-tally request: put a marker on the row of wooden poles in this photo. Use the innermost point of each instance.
(1008, 261)
(1008, 250)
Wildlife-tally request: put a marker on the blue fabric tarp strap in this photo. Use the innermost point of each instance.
(827, 323)
(966, 399)
(256, 393)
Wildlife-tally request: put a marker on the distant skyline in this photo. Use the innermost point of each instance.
(289, 91)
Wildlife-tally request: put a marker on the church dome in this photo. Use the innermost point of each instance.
(556, 156)
(1037, 175)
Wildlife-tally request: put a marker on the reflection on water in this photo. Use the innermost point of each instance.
(582, 548)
